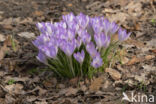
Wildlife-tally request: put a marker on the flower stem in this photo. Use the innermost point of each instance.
(71, 65)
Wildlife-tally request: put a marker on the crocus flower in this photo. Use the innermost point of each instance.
(102, 40)
(50, 51)
(97, 25)
(97, 61)
(86, 37)
(91, 49)
(106, 25)
(41, 27)
(123, 35)
(82, 20)
(113, 28)
(41, 57)
(78, 42)
(79, 56)
(68, 47)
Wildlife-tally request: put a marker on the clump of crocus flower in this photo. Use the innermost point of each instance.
(77, 46)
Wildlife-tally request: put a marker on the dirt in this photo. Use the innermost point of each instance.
(24, 80)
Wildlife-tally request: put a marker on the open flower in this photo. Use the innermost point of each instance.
(79, 56)
(101, 40)
(97, 61)
(123, 35)
(68, 47)
(82, 20)
(91, 49)
(41, 57)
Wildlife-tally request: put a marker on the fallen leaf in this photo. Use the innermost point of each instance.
(68, 91)
(15, 88)
(96, 84)
(151, 42)
(113, 73)
(74, 81)
(71, 91)
(38, 13)
(154, 51)
(27, 35)
(142, 79)
(41, 102)
(7, 41)
(3, 51)
(134, 60)
(2, 38)
(149, 57)
(9, 99)
(119, 17)
(26, 20)
(130, 82)
(2, 100)
(70, 5)
(83, 88)
(8, 27)
(137, 43)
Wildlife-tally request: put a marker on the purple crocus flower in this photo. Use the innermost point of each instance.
(70, 34)
(68, 47)
(79, 56)
(113, 28)
(123, 35)
(102, 40)
(82, 20)
(50, 51)
(97, 61)
(85, 36)
(97, 25)
(41, 27)
(70, 19)
(78, 42)
(91, 49)
(106, 25)
(41, 57)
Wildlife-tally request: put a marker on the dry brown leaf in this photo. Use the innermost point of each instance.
(70, 5)
(9, 99)
(154, 51)
(2, 38)
(134, 60)
(27, 35)
(38, 13)
(135, 43)
(74, 81)
(96, 84)
(149, 57)
(15, 88)
(2, 100)
(113, 73)
(41, 102)
(71, 91)
(7, 41)
(137, 27)
(3, 51)
(8, 27)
